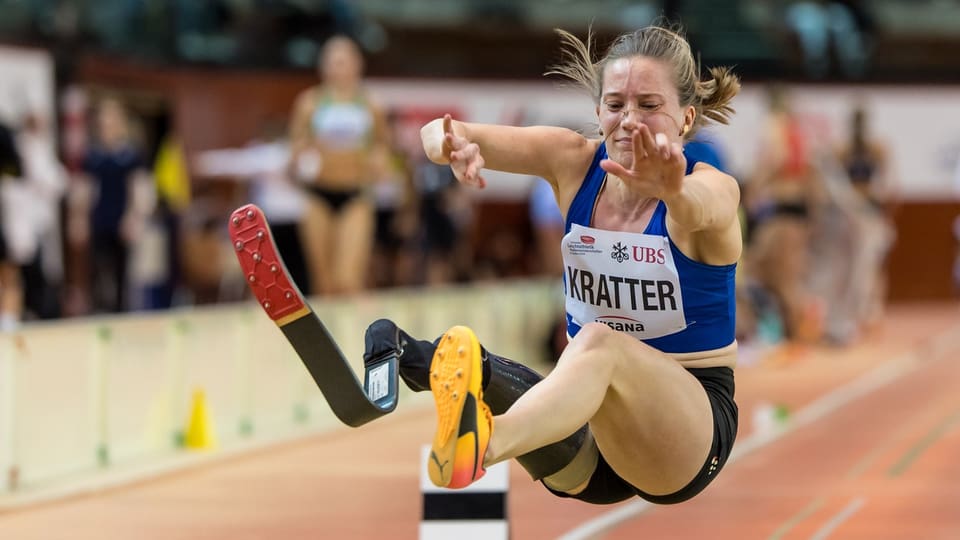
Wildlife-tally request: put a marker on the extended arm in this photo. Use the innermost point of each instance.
(559, 155)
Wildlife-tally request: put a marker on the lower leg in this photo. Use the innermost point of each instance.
(563, 402)
(563, 465)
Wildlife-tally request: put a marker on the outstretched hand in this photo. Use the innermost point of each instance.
(658, 166)
(464, 156)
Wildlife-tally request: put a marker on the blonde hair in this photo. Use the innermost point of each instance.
(710, 97)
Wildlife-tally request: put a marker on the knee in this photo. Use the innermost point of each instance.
(595, 344)
(593, 336)
(603, 347)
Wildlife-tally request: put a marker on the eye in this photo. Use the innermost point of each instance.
(650, 106)
(613, 106)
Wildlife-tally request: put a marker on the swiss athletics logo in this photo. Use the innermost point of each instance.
(619, 253)
(582, 244)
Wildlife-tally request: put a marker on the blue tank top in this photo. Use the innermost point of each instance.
(707, 291)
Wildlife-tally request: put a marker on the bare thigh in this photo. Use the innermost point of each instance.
(655, 424)
(317, 244)
(354, 236)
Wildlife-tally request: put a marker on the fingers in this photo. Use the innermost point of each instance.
(636, 139)
(449, 142)
(647, 145)
(663, 145)
(476, 166)
(614, 168)
(464, 151)
(648, 142)
(447, 124)
(467, 163)
(473, 177)
(450, 139)
(465, 158)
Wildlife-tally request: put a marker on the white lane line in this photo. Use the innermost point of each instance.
(838, 519)
(798, 518)
(819, 408)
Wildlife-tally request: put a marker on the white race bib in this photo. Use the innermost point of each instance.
(627, 281)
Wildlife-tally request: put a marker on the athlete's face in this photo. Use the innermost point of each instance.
(639, 90)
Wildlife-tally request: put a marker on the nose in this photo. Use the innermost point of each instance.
(632, 117)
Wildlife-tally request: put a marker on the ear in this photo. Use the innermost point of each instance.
(689, 116)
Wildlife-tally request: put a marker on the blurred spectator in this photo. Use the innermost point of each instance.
(782, 196)
(865, 160)
(121, 199)
(11, 289)
(338, 138)
(202, 248)
(158, 254)
(75, 135)
(397, 218)
(46, 182)
(446, 213)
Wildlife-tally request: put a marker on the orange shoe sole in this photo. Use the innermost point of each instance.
(463, 420)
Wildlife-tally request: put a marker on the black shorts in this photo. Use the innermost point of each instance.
(336, 199)
(607, 487)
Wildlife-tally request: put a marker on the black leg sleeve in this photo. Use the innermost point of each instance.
(508, 381)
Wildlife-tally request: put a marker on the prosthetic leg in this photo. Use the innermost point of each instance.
(279, 296)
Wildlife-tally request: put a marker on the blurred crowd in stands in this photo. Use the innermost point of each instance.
(818, 229)
(112, 223)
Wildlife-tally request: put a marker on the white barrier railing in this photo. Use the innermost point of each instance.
(87, 395)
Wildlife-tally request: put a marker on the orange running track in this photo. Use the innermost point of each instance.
(869, 451)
